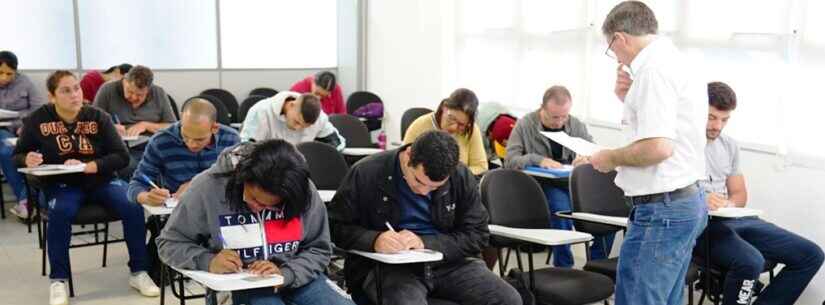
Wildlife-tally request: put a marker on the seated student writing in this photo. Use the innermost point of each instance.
(456, 115)
(292, 117)
(138, 107)
(421, 190)
(17, 93)
(174, 156)
(528, 147)
(69, 132)
(255, 208)
(741, 245)
(93, 80)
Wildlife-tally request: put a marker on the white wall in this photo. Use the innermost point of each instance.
(405, 58)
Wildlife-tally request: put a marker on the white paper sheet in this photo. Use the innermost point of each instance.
(578, 145)
(403, 257)
(735, 212)
(233, 281)
(8, 114)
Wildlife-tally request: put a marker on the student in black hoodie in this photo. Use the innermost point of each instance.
(68, 132)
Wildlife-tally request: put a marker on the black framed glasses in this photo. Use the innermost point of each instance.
(609, 52)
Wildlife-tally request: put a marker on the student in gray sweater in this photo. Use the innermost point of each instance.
(255, 209)
(19, 94)
(528, 147)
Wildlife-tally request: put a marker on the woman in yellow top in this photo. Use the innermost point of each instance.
(456, 115)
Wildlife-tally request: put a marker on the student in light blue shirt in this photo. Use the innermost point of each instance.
(17, 93)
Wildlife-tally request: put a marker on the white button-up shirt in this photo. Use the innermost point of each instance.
(666, 100)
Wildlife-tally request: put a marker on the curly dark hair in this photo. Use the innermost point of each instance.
(437, 151)
(275, 166)
(721, 96)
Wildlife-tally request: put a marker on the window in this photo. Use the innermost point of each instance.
(41, 35)
(157, 33)
(773, 57)
(511, 51)
(279, 34)
(804, 107)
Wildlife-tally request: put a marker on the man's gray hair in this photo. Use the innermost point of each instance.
(631, 17)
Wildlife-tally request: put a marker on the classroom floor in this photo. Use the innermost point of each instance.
(22, 284)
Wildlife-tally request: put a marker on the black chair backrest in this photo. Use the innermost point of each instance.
(360, 98)
(352, 129)
(263, 91)
(594, 192)
(409, 116)
(514, 199)
(175, 110)
(227, 99)
(223, 114)
(247, 104)
(327, 166)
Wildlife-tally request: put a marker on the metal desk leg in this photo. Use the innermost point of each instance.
(708, 264)
(378, 285)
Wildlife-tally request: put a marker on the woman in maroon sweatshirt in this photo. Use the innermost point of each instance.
(68, 132)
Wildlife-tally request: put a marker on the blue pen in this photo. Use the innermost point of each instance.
(149, 181)
(115, 119)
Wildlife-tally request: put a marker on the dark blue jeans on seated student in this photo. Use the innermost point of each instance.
(315, 292)
(741, 247)
(14, 178)
(656, 251)
(558, 200)
(63, 204)
(464, 282)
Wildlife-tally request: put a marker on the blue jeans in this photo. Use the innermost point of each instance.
(657, 248)
(741, 246)
(558, 200)
(64, 202)
(315, 292)
(14, 178)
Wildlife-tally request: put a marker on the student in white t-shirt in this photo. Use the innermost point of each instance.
(665, 111)
(742, 245)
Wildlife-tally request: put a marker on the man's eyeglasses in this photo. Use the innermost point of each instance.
(609, 52)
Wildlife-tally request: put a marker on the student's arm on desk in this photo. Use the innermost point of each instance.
(344, 216)
(144, 126)
(314, 250)
(644, 152)
(517, 156)
(178, 241)
(737, 191)
(471, 234)
(150, 166)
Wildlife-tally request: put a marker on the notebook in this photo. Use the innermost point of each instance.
(564, 171)
(578, 145)
(403, 257)
(735, 212)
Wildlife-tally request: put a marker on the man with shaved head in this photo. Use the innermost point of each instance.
(175, 155)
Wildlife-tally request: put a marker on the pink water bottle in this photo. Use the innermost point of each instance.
(382, 140)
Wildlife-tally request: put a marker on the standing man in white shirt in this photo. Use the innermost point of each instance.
(665, 112)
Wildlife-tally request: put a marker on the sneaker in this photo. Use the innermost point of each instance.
(143, 283)
(57, 294)
(20, 210)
